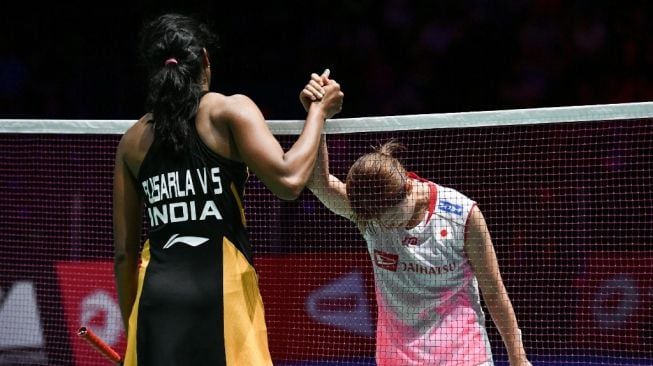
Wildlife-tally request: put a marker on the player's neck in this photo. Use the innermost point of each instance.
(422, 195)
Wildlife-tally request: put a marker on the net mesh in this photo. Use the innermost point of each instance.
(569, 205)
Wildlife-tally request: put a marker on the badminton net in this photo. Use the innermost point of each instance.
(567, 194)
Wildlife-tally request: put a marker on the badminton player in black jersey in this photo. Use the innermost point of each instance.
(194, 299)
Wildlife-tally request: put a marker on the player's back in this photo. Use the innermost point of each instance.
(197, 252)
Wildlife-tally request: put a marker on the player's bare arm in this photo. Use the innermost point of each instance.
(330, 190)
(127, 219)
(482, 256)
(284, 173)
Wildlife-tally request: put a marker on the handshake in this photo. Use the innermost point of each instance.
(322, 92)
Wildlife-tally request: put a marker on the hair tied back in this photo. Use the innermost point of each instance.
(390, 148)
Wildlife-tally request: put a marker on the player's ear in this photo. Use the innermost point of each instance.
(205, 58)
(408, 186)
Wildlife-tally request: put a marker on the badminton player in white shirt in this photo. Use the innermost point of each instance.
(431, 251)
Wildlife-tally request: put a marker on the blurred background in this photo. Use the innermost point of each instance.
(69, 59)
(569, 206)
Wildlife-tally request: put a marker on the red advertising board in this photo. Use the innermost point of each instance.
(311, 303)
(89, 299)
(322, 302)
(615, 303)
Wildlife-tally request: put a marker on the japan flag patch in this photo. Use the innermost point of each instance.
(444, 233)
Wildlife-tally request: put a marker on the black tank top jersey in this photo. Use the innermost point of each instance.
(197, 193)
(182, 314)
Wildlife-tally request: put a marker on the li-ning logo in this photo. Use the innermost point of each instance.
(387, 261)
(192, 241)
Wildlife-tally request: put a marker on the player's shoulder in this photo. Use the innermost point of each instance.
(221, 104)
(137, 129)
(453, 205)
(230, 108)
(450, 193)
(138, 136)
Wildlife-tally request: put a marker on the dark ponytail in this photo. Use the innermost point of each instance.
(171, 47)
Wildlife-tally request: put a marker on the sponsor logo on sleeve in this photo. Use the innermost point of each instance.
(449, 207)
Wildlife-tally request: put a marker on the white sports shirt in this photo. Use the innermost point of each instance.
(429, 310)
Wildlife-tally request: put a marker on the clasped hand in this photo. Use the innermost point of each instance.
(323, 91)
